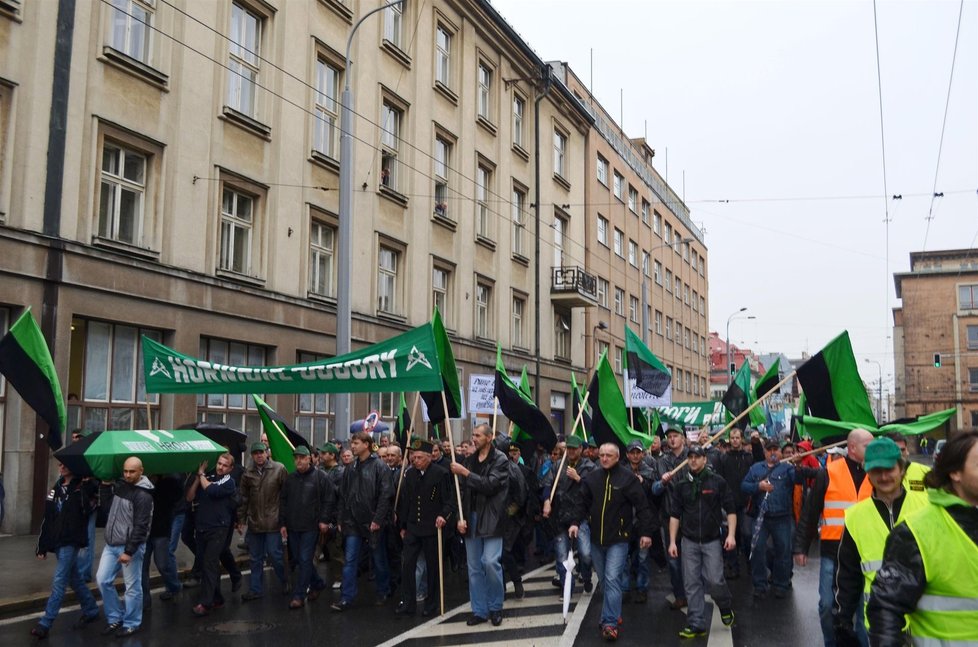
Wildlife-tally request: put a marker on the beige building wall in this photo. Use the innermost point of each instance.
(235, 187)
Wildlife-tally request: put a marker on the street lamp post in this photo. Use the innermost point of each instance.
(879, 397)
(344, 308)
(727, 367)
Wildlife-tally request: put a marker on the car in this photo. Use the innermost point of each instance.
(938, 447)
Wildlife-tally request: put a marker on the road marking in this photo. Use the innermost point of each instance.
(536, 620)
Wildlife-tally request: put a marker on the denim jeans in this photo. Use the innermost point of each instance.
(779, 530)
(609, 562)
(638, 561)
(352, 545)
(130, 615)
(483, 555)
(826, 597)
(86, 556)
(261, 545)
(176, 528)
(304, 547)
(67, 573)
(157, 552)
(583, 555)
(702, 574)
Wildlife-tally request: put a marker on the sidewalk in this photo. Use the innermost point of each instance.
(25, 581)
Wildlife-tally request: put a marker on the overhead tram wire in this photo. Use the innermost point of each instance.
(940, 146)
(886, 200)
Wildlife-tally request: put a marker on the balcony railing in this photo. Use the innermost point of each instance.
(574, 282)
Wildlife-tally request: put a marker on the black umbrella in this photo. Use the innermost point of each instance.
(221, 434)
(379, 428)
(73, 456)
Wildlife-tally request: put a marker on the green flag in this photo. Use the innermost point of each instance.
(650, 374)
(519, 407)
(736, 399)
(408, 362)
(402, 425)
(449, 377)
(822, 430)
(833, 388)
(27, 364)
(282, 438)
(609, 417)
(768, 381)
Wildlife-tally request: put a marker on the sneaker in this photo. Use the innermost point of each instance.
(40, 632)
(555, 581)
(125, 632)
(191, 582)
(588, 585)
(727, 617)
(475, 620)
(518, 591)
(609, 633)
(496, 617)
(340, 606)
(689, 632)
(111, 628)
(84, 621)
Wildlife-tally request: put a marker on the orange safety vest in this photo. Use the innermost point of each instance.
(840, 496)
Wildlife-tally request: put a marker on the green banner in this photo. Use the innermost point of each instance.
(408, 362)
(692, 414)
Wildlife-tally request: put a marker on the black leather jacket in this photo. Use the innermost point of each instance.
(901, 580)
(614, 504)
(366, 496)
(485, 490)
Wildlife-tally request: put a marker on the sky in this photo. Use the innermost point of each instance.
(776, 108)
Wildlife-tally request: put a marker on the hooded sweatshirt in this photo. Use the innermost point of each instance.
(130, 513)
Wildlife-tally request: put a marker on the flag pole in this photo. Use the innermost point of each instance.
(441, 572)
(495, 410)
(451, 448)
(563, 459)
(814, 451)
(404, 459)
(739, 417)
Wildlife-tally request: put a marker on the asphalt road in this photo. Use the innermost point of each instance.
(537, 620)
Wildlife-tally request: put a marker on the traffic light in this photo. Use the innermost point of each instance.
(733, 367)
(937, 360)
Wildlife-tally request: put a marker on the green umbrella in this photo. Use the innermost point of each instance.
(162, 452)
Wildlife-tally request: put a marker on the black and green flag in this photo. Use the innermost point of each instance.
(519, 407)
(768, 381)
(27, 364)
(649, 374)
(402, 425)
(833, 388)
(282, 438)
(737, 397)
(449, 377)
(609, 417)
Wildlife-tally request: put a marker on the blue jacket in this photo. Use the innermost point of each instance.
(779, 502)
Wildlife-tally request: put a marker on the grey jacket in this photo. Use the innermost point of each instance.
(130, 514)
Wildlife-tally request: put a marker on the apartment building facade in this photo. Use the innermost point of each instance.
(171, 168)
(935, 337)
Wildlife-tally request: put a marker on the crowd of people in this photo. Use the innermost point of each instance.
(703, 512)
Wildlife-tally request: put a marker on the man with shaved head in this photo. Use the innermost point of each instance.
(130, 504)
(837, 488)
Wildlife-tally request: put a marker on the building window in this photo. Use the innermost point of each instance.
(519, 109)
(632, 199)
(972, 337)
(314, 411)
(702, 306)
(696, 386)
(968, 297)
(602, 170)
(441, 291)
(110, 379)
(619, 186)
(668, 236)
(236, 410)
(388, 284)
(519, 221)
(485, 91)
(679, 334)
(443, 160)
(243, 63)
(679, 289)
(696, 345)
(519, 321)
(669, 328)
(562, 335)
(619, 302)
(121, 196)
(602, 292)
(973, 379)
(657, 223)
(327, 112)
(559, 227)
(633, 253)
(633, 309)
(669, 281)
(443, 56)
(560, 153)
(132, 28)
(695, 302)
(703, 348)
(686, 337)
(602, 230)
(645, 211)
(483, 184)
(693, 259)
(686, 251)
(483, 310)
(686, 293)
(646, 263)
(322, 276)
(619, 243)
(658, 322)
(657, 272)
(619, 354)
(237, 226)
(390, 139)
(394, 24)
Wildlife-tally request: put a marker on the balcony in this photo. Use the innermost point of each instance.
(573, 287)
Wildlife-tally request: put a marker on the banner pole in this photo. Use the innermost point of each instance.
(739, 417)
(814, 451)
(577, 421)
(495, 410)
(451, 448)
(404, 458)
(441, 571)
